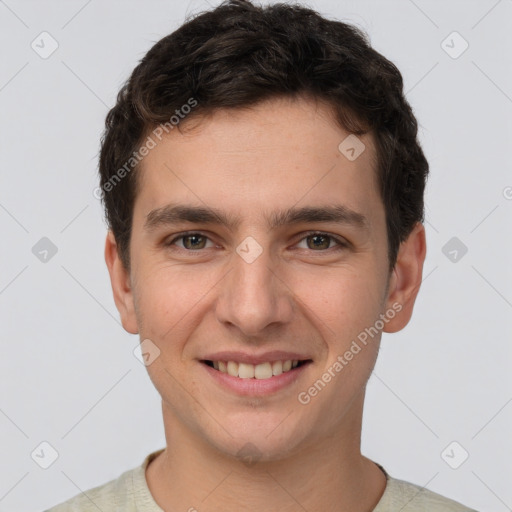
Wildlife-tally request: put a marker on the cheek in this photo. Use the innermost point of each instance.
(341, 301)
(168, 301)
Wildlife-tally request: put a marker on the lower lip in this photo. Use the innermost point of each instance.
(258, 387)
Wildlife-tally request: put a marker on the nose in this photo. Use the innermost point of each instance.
(253, 297)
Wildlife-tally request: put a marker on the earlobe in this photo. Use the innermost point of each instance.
(121, 285)
(406, 278)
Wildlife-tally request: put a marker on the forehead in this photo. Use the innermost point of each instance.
(281, 152)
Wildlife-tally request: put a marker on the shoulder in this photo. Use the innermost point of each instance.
(127, 493)
(115, 495)
(409, 497)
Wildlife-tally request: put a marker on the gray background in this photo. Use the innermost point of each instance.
(69, 374)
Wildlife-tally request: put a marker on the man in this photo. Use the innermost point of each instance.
(263, 186)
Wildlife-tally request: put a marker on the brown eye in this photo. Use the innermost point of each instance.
(322, 242)
(319, 241)
(190, 242)
(194, 241)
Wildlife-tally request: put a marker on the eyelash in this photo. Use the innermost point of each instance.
(341, 243)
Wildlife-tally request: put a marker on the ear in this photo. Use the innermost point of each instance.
(406, 279)
(121, 285)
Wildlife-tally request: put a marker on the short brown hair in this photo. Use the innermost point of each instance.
(239, 54)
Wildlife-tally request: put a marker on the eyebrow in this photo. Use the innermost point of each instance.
(177, 213)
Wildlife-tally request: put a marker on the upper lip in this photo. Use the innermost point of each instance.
(244, 357)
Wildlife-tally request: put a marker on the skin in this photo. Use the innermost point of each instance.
(294, 296)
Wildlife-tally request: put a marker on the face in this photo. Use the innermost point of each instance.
(255, 240)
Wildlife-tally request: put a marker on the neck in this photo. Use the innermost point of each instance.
(330, 474)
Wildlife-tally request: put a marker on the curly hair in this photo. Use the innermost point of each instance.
(239, 54)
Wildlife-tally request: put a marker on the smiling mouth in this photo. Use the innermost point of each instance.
(260, 371)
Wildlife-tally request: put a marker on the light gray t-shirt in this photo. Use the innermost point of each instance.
(130, 493)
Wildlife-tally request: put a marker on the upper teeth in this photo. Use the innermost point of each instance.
(255, 371)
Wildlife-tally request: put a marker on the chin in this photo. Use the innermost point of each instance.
(261, 439)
